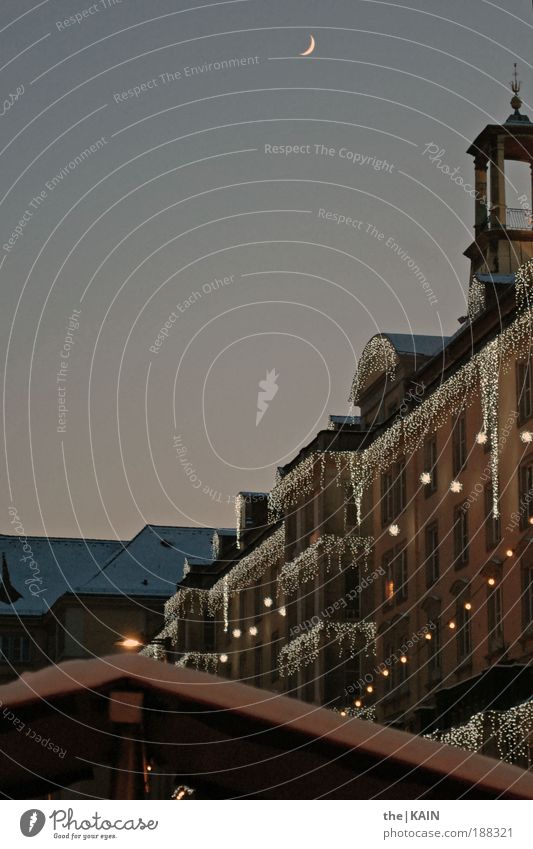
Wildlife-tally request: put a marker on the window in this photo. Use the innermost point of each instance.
(388, 577)
(274, 669)
(258, 665)
(430, 464)
(395, 576)
(400, 563)
(464, 632)
(258, 600)
(494, 613)
(209, 634)
(242, 608)
(392, 492)
(435, 650)
(242, 666)
(351, 593)
(432, 554)
(14, 648)
(528, 597)
(524, 390)
(525, 494)
(460, 536)
(493, 532)
(459, 443)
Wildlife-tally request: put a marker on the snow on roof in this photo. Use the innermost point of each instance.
(416, 343)
(52, 566)
(152, 563)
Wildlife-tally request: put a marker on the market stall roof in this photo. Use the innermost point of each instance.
(250, 742)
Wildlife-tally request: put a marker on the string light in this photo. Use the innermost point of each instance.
(476, 298)
(451, 625)
(491, 582)
(385, 673)
(306, 566)
(282, 611)
(481, 438)
(509, 552)
(394, 530)
(370, 689)
(268, 602)
(358, 703)
(403, 659)
(304, 649)
(526, 436)
(425, 478)
(468, 606)
(223, 658)
(456, 486)
(378, 355)
(249, 569)
(208, 661)
(236, 633)
(252, 630)
(429, 636)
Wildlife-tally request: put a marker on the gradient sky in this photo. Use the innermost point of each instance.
(182, 192)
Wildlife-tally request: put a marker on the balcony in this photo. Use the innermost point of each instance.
(515, 219)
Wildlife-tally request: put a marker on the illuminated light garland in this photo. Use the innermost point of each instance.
(223, 658)
(306, 566)
(300, 652)
(378, 355)
(186, 568)
(268, 602)
(236, 633)
(252, 630)
(208, 661)
(304, 649)
(456, 486)
(225, 603)
(425, 478)
(511, 729)
(368, 713)
(394, 530)
(248, 569)
(523, 284)
(239, 500)
(482, 438)
(186, 600)
(489, 370)
(282, 611)
(477, 298)
(299, 481)
(155, 651)
(526, 436)
(348, 635)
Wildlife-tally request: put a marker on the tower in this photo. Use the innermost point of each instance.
(503, 235)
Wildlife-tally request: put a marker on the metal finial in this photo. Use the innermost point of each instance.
(515, 82)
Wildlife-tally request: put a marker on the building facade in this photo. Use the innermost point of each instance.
(389, 572)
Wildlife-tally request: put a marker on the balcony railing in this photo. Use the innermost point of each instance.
(515, 219)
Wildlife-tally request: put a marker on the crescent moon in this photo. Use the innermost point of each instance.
(312, 45)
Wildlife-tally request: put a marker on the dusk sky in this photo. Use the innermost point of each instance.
(188, 162)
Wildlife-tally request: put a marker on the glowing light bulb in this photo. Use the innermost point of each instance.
(425, 478)
(530, 520)
(268, 601)
(526, 436)
(451, 625)
(385, 673)
(403, 659)
(394, 530)
(468, 606)
(482, 438)
(491, 582)
(456, 486)
(370, 689)
(358, 703)
(429, 637)
(223, 658)
(509, 552)
(129, 643)
(236, 632)
(252, 630)
(282, 611)
(343, 713)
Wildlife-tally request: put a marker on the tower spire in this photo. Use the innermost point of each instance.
(516, 101)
